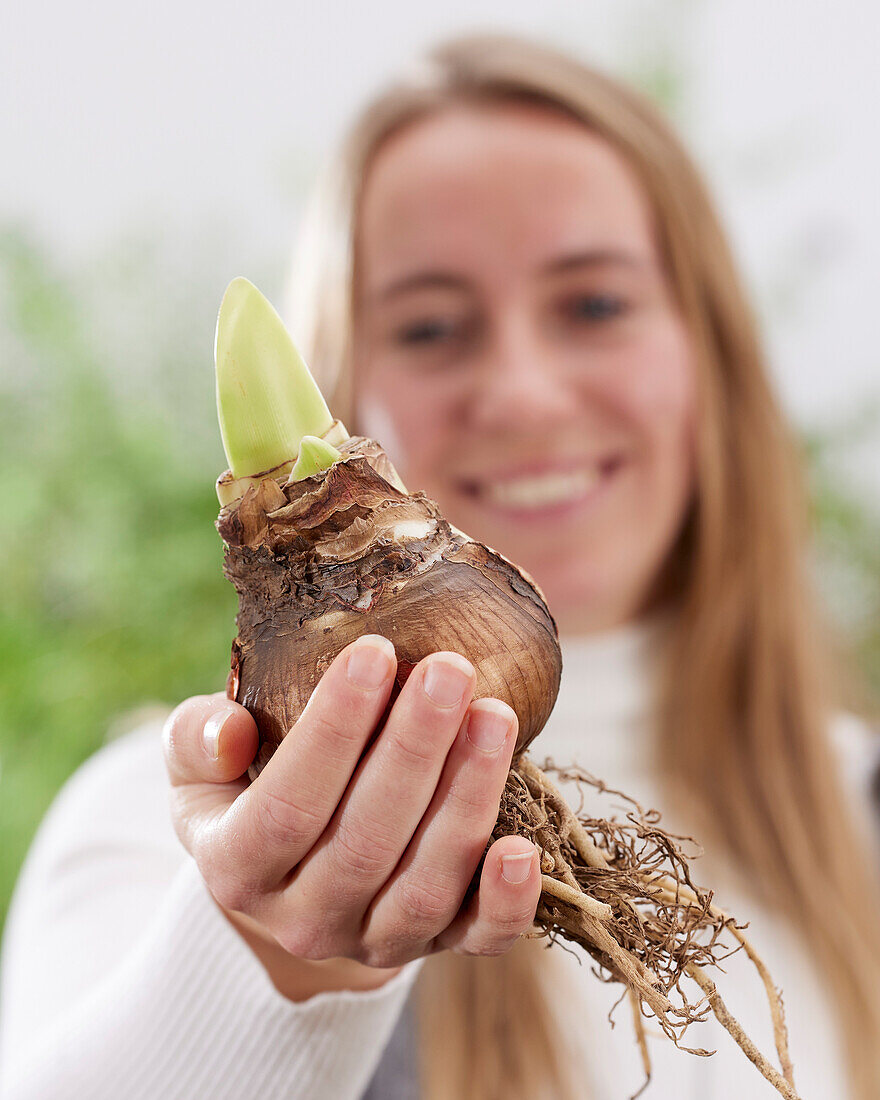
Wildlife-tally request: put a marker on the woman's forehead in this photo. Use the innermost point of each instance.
(506, 184)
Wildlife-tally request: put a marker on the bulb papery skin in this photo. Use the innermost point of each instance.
(320, 562)
(231, 488)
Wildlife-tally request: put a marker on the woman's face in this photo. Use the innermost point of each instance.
(520, 354)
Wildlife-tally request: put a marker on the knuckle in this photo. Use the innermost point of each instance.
(363, 854)
(281, 817)
(334, 735)
(384, 956)
(488, 949)
(512, 923)
(229, 890)
(417, 750)
(304, 940)
(488, 942)
(494, 937)
(224, 875)
(475, 804)
(424, 903)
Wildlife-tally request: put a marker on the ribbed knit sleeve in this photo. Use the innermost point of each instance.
(122, 978)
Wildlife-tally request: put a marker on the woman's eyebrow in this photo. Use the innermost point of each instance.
(421, 280)
(595, 257)
(444, 280)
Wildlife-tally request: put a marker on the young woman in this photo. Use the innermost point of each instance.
(514, 279)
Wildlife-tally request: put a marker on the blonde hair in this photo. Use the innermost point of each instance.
(744, 714)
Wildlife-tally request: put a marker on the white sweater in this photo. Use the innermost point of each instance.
(122, 979)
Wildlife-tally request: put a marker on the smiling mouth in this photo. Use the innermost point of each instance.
(552, 489)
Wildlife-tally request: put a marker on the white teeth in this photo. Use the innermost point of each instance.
(542, 490)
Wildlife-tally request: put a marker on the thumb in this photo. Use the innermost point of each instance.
(208, 739)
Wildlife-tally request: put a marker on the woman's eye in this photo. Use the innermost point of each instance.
(427, 332)
(594, 307)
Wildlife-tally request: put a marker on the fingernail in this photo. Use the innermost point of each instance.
(212, 730)
(447, 678)
(516, 869)
(488, 725)
(370, 662)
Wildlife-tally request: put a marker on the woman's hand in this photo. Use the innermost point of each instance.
(337, 853)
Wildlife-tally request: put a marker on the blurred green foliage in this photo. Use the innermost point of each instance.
(113, 595)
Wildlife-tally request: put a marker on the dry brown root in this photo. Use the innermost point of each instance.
(641, 1039)
(623, 891)
(735, 1028)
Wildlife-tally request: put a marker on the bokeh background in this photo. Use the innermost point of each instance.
(150, 153)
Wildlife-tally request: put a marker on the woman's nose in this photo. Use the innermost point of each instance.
(517, 382)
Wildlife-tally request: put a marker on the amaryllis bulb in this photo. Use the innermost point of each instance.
(320, 561)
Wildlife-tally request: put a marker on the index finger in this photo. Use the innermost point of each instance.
(278, 818)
